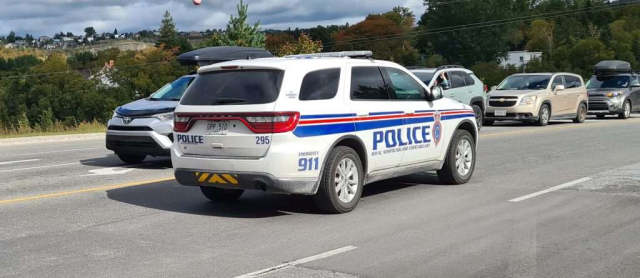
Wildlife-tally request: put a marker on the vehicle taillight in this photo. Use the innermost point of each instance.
(275, 122)
(181, 123)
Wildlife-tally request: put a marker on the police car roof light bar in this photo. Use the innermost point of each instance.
(344, 54)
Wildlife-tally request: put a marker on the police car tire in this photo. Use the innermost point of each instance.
(221, 195)
(326, 198)
(449, 174)
(479, 116)
(131, 158)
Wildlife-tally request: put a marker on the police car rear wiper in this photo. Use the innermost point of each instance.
(230, 100)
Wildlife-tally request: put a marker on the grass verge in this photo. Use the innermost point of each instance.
(57, 129)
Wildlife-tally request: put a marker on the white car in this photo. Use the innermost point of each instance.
(317, 124)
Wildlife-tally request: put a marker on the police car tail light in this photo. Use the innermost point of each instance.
(181, 123)
(277, 122)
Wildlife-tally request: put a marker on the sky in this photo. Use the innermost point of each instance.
(46, 17)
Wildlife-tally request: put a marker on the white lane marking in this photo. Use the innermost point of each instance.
(19, 161)
(63, 151)
(39, 167)
(109, 171)
(297, 262)
(555, 188)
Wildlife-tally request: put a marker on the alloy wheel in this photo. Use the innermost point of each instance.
(346, 180)
(464, 157)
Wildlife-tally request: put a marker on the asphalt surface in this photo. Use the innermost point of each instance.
(72, 209)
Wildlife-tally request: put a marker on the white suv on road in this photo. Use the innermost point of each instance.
(318, 124)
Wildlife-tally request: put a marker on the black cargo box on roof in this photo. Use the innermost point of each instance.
(612, 66)
(219, 54)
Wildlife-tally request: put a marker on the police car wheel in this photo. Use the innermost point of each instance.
(582, 114)
(461, 159)
(131, 158)
(342, 179)
(479, 115)
(626, 113)
(221, 195)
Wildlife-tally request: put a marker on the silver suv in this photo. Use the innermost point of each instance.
(459, 84)
(613, 90)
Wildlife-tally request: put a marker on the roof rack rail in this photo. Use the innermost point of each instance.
(344, 54)
(450, 67)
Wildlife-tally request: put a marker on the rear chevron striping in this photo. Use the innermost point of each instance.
(204, 177)
(217, 179)
(230, 178)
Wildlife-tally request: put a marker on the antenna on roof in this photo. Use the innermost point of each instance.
(344, 54)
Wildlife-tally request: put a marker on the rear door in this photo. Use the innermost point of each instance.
(459, 90)
(229, 113)
(573, 91)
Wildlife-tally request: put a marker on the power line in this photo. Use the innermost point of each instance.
(485, 23)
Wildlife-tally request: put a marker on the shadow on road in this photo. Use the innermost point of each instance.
(169, 196)
(113, 161)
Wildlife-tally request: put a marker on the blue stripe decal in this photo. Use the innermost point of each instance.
(425, 111)
(328, 129)
(385, 113)
(457, 116)
(320, 130)
(326, 116)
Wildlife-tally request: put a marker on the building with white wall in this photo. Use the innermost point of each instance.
(519, 58)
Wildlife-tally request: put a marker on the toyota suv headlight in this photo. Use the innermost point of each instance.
(528, 100)
(614, 94)
(164, 117)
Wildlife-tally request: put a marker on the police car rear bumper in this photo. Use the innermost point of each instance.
(247, 181)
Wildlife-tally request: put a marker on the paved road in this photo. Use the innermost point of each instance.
(71, 209)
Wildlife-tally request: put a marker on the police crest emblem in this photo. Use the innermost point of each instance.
(437, 128)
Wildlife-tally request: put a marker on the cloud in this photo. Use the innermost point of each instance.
(46, 17)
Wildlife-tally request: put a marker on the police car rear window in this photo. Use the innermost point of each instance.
(320, 84)
(238, 87)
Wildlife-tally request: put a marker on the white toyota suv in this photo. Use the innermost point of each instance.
(317, 124)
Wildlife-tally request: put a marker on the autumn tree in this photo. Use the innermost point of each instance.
(303, 45)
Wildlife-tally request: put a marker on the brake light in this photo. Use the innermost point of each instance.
(229, 67)
(274, 122)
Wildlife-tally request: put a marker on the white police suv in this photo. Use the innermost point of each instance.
(318, 124)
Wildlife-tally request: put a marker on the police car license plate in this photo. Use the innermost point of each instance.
(501, 113)
(217, 127)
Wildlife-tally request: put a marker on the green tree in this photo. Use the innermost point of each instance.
(12, 37)
(541, 37)
(168, 32)
(89, 32)
(472, 43)
(586, 53)
(240, 33)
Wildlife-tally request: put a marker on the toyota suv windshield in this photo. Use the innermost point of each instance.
(525, 82)
(608, 82)
(172, 91)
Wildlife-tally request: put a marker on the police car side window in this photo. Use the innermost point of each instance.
(320, 84)
(457, 79)
(367, 84)
(403, 86)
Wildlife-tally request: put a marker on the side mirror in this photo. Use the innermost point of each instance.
(559, 88)
(436, 93)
